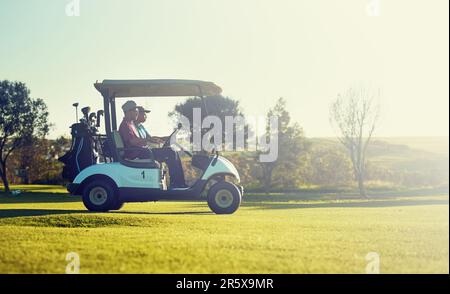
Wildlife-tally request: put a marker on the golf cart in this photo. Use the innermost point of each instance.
(108, 179)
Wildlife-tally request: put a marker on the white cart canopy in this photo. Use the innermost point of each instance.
(157, 88)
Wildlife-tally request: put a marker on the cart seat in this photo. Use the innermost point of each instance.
(120, 148)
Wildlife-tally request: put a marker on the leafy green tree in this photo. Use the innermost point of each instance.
(218, 106)
(283, 172)
(21, 118)
(38, 162)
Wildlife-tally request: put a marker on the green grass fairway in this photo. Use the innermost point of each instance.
(268, 234)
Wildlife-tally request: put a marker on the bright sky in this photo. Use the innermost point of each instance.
(256, 50)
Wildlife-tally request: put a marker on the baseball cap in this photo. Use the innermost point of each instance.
(129, 105)
(142, 109)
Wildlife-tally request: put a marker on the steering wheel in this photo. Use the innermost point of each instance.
(167, 142)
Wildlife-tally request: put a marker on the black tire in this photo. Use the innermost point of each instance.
(117, 206)
(224, 198)
(100, 195)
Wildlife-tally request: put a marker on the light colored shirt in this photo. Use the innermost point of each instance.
(143, 134)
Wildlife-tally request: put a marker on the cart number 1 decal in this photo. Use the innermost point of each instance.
(143, 174)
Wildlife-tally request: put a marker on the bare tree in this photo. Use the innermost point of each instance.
(355, 114)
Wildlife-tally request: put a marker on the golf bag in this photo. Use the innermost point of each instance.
(82, 152)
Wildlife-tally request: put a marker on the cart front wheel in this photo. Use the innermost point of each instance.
(224, 198)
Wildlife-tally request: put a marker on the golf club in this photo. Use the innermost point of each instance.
(76, 111)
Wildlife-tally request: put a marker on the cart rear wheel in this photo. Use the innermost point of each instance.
(224, 198)
(98, 195)
(118, 205)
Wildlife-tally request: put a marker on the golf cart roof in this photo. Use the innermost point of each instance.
(157, 88)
